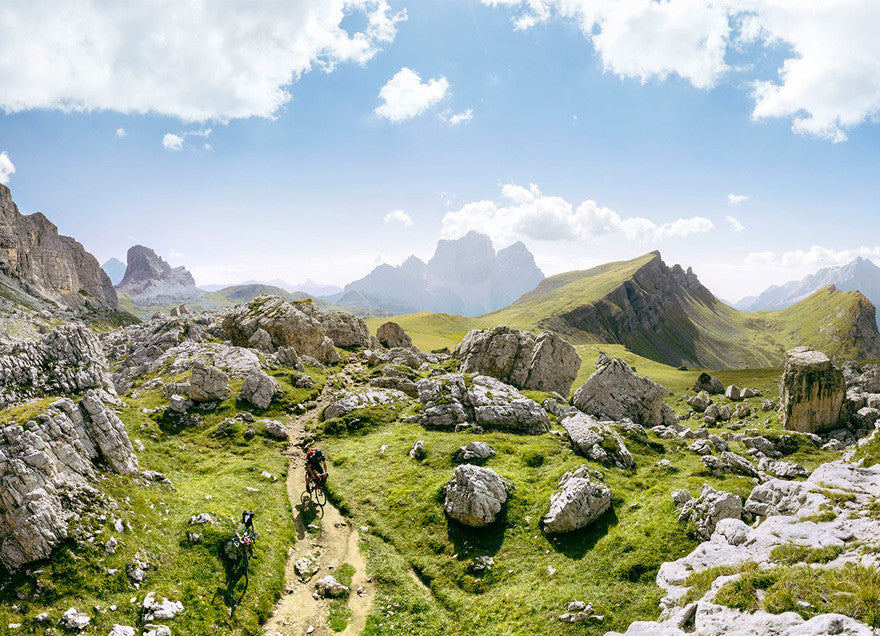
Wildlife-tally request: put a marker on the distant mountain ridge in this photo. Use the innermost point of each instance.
(860, 275)
(465, 276)
(149, 280)
(115, 270)
(309, 287)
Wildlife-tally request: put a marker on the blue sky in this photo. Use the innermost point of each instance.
(633, 137)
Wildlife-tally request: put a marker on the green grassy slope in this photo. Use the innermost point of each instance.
(666, 315)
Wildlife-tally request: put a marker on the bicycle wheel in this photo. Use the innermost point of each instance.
(321, 494)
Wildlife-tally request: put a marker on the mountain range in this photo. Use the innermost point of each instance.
(861, 274)
(465, 276)
(665, 314)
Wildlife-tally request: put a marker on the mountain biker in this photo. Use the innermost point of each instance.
(316, 464)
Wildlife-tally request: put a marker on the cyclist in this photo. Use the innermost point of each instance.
(316, 464)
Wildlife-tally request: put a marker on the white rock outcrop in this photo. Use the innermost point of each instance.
(474, 496)
(578, 502)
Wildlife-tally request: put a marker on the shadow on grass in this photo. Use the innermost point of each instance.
(470, 542)
(575, 545)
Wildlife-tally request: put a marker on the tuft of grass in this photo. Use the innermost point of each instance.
(340, 613)
(789, 554)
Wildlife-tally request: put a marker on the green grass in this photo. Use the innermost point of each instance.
(340, 613)
(219, 475)
(852, 590)
(790, 554)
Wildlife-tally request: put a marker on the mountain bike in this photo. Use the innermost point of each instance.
(316, 488)
(244, 543)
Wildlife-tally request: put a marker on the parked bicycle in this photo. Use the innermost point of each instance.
(244, 543)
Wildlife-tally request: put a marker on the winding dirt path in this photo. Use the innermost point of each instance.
(298, 611)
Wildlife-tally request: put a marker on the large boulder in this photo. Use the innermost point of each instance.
(474, 496)
(351, 401)
(392, 335)
(259, 389)
(615, 392)
(542, 363)
(456, 401)
(812, 392)
(596, 441)
(208, 383)
(709, 384)
(44, 463)
(295, 324)
(578, 502)
(346, 330)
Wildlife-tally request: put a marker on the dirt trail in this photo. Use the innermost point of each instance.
(297, 611)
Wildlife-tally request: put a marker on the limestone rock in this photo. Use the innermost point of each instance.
(812, 391)
(43, 463)
(396, 356)
(346, 330)
(289, 324)
(154, 610)
(597, 441)
(122, 630)
(36, 261)
(259, 389)
(709, 508)
(351, 401)
(543, 363)
(709, 384)
(578, 502)
(783, 470)
(67, 360)
(208, 383)
(75, 620)
(699, 402)
(275, 429)
(474, 496)
(615, 392)
(330, 587)
(392, 335)
(455, 401)
(474, 452)
(418, 451)
(289, 358)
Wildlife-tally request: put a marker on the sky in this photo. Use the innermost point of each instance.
(319, 138)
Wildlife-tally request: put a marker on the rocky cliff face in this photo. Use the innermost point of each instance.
(35, 259)
(465, 276)
(149, 280)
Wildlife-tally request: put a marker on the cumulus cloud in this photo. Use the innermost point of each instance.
(735, 224)
(829, 81)
(736, 199)
(812, 258)
(120, 133)
(196, 61)
(398, 216)
(455, 119)
(7, 168)
(405, 95)
(174, 142)
(528, 213)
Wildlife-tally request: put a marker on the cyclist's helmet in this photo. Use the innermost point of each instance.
(315, 454)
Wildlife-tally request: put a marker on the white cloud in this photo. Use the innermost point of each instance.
(172, 142)
(457, 118)
(829, 81)
(405, 96)
(736, 199)
(120, 133)
(812, 258)
(528, 213)
(7, 168)
(196, 61)
(398, 216)
(735, 223)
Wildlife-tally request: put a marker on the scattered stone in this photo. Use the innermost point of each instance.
(201, 519)
(75, 620)
(699, 402)
(733, 393)
(351, 401)
(208, 383)
(597, 441)
(784, 470)
(305, 568)
(179, 404)
(709, 384)
(392, 335)
(275, 429)
(739, 464)
(122, 630)
(259, 389)
(709, 508)
(418, 451)
(474, 496)
(154, 610)
(330, 587)
(474, 452)
(481, 564)
(577, 503)
(156, 630)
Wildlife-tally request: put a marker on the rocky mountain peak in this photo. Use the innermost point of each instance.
(149, 280)
(46, 266)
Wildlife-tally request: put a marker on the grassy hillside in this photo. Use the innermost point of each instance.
(665, 314)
